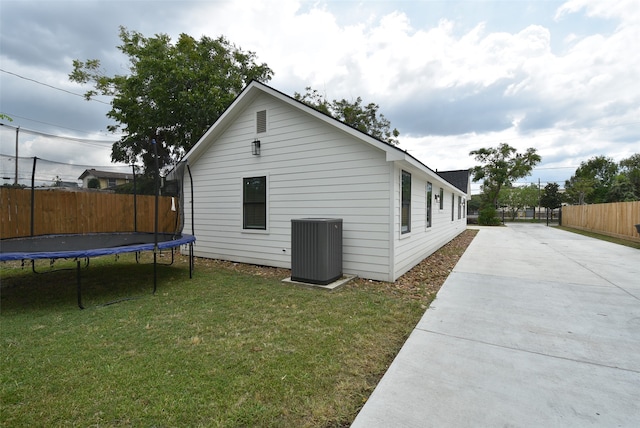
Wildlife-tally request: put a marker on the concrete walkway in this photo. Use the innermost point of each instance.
(535, 327)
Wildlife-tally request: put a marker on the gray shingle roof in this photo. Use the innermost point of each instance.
(459, 178)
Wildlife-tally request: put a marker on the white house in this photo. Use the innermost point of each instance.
(270, 159)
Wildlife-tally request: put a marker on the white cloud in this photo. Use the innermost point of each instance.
(627, 11)
(450, 81)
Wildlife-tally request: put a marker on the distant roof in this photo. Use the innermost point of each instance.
(459, 178)
(105, 174)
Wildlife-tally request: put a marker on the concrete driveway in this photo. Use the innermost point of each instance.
(535, 327)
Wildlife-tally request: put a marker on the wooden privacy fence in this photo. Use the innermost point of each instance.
(58, 212)
(615, 219)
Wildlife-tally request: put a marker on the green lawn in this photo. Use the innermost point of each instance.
(231, 347)
(619, 241)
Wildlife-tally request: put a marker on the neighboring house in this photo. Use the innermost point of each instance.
(270, 159)
(107, 179)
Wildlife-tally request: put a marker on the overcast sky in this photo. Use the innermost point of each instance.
(452, 76)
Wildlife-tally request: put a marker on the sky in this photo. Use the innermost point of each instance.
(451, 76)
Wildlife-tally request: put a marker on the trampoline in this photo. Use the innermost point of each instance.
(83, 247)
(86, 245)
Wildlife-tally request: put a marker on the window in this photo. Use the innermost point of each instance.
(254, 203)
(429, 199)
(261, 121)
(406, 203)
(459, 207)
(453, 202)
(111, 182)
(441, 198)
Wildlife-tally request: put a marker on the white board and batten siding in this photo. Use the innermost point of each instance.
(315, 167)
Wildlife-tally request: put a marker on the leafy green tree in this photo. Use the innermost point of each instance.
(518, 198)
(364, 118)
(630, 168)
(500, 167)
(5, 117)
(173, 92)
(551, 197)
(93, 183)
(474, 203)
(577, 189)
(592, 180)
(622, 190)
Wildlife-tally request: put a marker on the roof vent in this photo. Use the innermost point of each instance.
(261, 121)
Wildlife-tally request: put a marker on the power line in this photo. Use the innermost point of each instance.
(12, 115)
(53, 87)
(112, 167)
(96, 143)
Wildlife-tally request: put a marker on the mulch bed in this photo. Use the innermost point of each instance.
(421, 283)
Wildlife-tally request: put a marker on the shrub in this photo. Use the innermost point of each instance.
(488, 216)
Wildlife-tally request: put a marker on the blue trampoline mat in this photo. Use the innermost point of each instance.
(87, 245)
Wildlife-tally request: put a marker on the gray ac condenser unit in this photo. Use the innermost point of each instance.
(316, 250)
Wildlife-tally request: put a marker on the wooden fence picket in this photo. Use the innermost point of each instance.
(60, 212)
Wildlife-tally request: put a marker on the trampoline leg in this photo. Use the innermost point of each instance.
(190, 261)
(78, 285)
(155, 275)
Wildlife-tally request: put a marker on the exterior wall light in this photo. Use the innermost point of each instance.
(255, 147)
(437, 197)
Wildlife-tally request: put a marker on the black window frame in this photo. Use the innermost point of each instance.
(254, 205)
(429, 206)
(453, 205)
(405, 204)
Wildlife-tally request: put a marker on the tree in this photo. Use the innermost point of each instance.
(551, 197)
(473, 205)
(173, 93)
(592, 180)
(577, 189)
(354, 114)
(621, 190)
(501, 166)
(518, 198)
(630, 168)
(93, 183)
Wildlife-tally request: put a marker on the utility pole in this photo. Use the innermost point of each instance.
(539, 197)
(17, 132)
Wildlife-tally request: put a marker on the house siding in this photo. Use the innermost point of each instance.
(312, 169)
(422, 241)
(315, 168)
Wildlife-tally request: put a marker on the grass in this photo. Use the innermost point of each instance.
(619, 241)
(232, 347)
